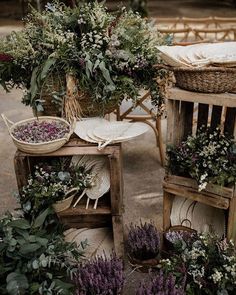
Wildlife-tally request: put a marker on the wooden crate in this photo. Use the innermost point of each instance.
(110, 207)
(187, 112)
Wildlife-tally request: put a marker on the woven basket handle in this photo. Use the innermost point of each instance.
(7, 122)
(185, 219)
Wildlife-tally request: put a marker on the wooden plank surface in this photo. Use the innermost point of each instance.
(222, 99)
(202, 197)
(231, 229)
(118, 234)
(116, 183)
(167, 206)
(218, 190)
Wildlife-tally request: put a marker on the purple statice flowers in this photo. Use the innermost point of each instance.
(160, 285)
(100, 276)
(143, 241)
(40, 131)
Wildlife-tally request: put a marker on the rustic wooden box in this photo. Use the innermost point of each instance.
(110, 207)
(187, 112)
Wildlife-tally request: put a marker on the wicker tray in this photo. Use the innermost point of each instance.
(38, 148)
(206, 80)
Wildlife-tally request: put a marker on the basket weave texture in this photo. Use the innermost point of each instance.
(38, 148)
(88, 106)
(206, 80)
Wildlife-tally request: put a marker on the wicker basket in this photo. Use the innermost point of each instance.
(88, 107)
(206, 80)
(38, 148)
(64, 204)
(168, 245)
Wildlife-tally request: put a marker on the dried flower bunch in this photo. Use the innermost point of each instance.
(40, 131)
(100, 276)
(143, 241)
(50, 183)
(111, 56)
(208, 157)
(161, 284)
(178, 240)
(209, 265)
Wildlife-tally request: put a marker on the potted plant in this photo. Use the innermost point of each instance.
(160, 284)
(34, 261)
(54, 185)
(143, 244)
(81, 59)
(100, 276)
(208, 157)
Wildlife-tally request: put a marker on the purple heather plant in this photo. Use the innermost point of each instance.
(40, 131)
(160, 285)
(179, 240)
(143, 241)
(100, 276)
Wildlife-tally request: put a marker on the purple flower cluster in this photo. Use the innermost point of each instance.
(40, 131)
(100, 276)
(160, 285)
(180, 235)
(5, 57)
(143, 241)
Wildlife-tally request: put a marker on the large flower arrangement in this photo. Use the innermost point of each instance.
(208, 157)
(109, 56)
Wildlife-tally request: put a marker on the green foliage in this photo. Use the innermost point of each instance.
(49, 183)
(110, 55)
(33, 261)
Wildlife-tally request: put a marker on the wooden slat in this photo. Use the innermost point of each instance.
(202, 119)
(202, 197)
(221, 191)
(173, 121)
(231, 232)
(216, 116)
(86, 221)
(230, 121)
(167, 206)
(222, 99)
(22, 170)
(80, 210)
(118, 234)
(116, 183)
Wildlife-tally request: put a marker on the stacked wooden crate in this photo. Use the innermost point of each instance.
(110, 206)
(187, 112)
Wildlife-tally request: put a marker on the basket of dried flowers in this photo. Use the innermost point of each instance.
(143, 245)
(178, 236)
(39, 135)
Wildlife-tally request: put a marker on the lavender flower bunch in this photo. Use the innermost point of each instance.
(160, 285)
(100, 276)
(143, 241)
(40, 131)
